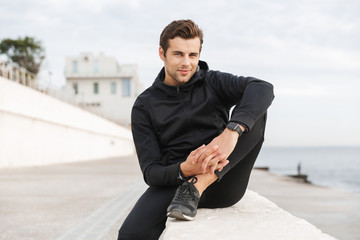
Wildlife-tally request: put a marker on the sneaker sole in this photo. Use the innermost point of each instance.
(179, 215)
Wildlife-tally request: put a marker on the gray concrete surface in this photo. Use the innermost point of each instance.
(89, 200)
(334, 212)
(252, 218)
(68, 201)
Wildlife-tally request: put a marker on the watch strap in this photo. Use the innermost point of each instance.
(233, 126)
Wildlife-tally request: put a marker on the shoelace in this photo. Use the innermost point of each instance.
(185, 192)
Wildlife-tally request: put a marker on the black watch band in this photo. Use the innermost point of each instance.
(233, 126)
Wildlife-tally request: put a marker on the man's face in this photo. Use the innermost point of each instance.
(181, 60)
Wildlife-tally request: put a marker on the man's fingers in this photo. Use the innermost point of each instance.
(212, 169)
(213, 160)
(218, 159)
(206, 161)
(208, 152)
(206, 156)
(221, 165)
(198, 152)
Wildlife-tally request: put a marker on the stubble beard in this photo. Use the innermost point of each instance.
(178, 80)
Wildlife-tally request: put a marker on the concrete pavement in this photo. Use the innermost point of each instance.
(89, 200)
(334, 212)
(68, 201)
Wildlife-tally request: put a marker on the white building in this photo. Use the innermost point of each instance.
(101, 85)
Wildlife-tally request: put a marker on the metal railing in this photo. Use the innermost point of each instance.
(22, 76)
(18, 74)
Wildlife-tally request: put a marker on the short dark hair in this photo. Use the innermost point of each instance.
(186, 29)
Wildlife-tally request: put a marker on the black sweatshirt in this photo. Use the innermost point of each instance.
(168, 122)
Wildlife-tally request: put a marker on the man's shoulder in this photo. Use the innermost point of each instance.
(146, 94)
(211, 77)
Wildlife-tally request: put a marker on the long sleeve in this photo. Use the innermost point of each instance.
(155, 171)
(251, 96)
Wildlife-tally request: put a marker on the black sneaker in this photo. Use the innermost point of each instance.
(185, 202)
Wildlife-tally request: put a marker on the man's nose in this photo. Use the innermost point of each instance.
(186, 60)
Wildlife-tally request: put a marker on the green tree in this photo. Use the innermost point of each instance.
(27, 52)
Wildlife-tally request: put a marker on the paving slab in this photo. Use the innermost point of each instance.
(42, 203)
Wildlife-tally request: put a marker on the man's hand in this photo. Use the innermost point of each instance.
(226, 143)
(194, 164)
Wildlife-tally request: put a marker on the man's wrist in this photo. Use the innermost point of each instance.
(182, 171)
(243, 129)
(236, 128)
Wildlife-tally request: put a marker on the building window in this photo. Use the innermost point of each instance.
(96, 88)
(113, 88)
(74, 66)
(126, 87)
(76, 88)
(96, 66)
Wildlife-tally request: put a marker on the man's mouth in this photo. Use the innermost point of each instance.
(183, 71)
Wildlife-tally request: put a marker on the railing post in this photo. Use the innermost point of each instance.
(10, 74)
(2, 69)
(17, 75)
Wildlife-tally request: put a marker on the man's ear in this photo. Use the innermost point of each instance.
(161, 53)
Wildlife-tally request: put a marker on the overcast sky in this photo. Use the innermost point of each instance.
(309, 50)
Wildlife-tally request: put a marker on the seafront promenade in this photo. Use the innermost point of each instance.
(83, 200)
(89, 200)
(334, 212)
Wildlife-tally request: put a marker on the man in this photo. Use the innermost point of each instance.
(190, 153)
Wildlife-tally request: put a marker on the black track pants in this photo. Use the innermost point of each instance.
(147, 219)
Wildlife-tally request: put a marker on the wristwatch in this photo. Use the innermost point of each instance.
(233, 126)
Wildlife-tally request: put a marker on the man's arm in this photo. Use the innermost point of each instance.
(251, 98)
(226, 141)
(154, 171)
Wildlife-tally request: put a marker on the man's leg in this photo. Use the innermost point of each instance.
(147, 219)
(235, 176)
(233, 179)
(232, 186)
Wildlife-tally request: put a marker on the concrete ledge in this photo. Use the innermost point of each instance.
(254, 217)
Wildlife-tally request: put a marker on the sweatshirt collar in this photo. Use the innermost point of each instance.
(159, 81)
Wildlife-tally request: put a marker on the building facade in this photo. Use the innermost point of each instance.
(101, 85)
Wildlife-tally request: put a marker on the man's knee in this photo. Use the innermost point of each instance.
(221, 198)
(233, 198)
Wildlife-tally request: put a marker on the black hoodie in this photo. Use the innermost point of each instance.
(168, 122)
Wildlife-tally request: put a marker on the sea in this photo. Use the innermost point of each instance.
(334, 167)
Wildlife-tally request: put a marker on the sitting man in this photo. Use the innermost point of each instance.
(191, 152)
